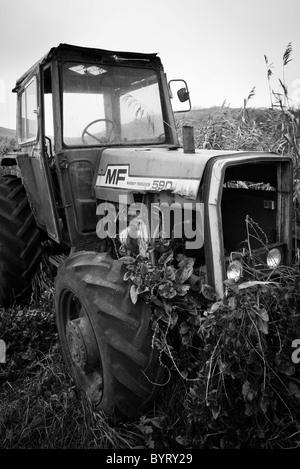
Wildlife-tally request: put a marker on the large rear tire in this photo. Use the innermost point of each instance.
(20, 247)
(106, 340)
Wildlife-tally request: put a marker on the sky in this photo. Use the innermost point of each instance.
(216, 46)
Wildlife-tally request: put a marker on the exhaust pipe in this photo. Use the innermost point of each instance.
(188, 139)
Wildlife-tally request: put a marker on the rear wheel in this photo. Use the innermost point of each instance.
(106, 340)
(20, 248)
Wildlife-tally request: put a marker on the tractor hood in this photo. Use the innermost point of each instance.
(152, 170)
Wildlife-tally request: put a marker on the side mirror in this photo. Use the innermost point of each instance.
(179, 90)
(183, 95)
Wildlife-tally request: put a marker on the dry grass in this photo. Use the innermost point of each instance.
(40, 408)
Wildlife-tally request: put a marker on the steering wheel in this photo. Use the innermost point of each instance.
(107, 139)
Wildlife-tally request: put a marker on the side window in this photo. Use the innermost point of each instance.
(29, 112)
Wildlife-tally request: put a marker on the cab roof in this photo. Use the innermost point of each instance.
(68, 51)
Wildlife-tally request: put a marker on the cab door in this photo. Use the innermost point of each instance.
(34, 157)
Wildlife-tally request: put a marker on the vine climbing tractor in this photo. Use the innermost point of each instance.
(134, 219)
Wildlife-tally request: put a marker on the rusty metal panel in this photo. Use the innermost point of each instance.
(36, 183)
(76, 172)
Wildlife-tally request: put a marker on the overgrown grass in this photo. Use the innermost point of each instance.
(234, 385)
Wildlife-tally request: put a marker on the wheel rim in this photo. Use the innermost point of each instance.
(81, 349)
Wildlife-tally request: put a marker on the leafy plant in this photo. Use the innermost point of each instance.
(247, 379)
(164, 280)
(234, 353)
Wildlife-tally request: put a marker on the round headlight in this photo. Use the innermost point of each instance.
(273, 258)
(235, 270)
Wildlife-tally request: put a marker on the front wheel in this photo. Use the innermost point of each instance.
(106, 340)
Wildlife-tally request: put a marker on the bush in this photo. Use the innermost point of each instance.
(7, 144)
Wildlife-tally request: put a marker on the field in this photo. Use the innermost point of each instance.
(245, 386)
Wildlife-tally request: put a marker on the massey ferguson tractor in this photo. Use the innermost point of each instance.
(133, 217)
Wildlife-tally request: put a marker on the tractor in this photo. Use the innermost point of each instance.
(103, 176)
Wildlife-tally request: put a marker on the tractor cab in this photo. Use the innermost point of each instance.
(74, 103)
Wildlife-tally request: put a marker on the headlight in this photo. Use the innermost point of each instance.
(274, 258)
(235, 270)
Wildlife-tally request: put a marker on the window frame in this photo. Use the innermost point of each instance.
(119, 144)
(23, 134)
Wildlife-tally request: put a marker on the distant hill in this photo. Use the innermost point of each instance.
(7, 133)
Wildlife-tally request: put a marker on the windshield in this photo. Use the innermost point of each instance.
(110, 105)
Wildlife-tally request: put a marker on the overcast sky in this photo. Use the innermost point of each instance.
(217, 46)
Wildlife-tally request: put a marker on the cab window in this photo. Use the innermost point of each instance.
(111, 105)
(29, 107)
